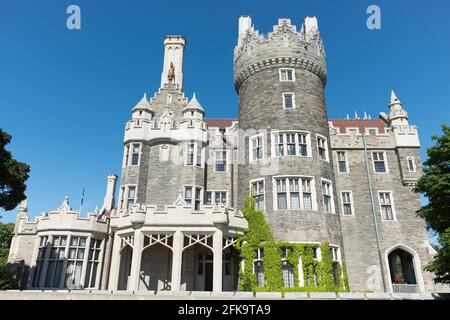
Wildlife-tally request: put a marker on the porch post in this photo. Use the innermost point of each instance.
(217, 265)
(136, 259)
(177, 259)
(115, 263)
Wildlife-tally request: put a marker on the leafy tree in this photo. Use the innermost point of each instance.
(7, 279)
(435, 184)
(13, 175)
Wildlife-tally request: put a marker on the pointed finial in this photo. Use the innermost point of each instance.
(394, 98)
(370, 117)
(356, 115)
(365, 115)
(347, 118)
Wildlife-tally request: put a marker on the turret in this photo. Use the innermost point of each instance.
(193, 110)
(108, 202)
(397, 115)
(143, 110)
(173, 61)
(284, 144)
(284, 46)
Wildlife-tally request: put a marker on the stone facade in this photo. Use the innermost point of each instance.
(184, 178)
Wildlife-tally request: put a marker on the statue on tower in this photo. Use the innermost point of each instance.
(171, 74)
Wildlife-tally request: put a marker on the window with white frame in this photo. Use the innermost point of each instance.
(126, 155)
(194, 154)
(216, 197)
(322, 148)
(288, 274)
(131, 196)
(190, 154)
(290, 144)
(288, 100)
(75, 262)
(327, 193)
(411, 165)
(342, 161)
(259, 267)
(135, 151)
(55, 262)
(188, 195)
(379, 161)
(193, 196)
(293, 193)
(256, 145)
(334, 253)
(92, 263)
(287, 75)
(311, 276)
(347, 205)
(221, 161)
(335, 258)
(258, 194)
(386, 205)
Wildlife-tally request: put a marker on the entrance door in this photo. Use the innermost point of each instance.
(208, 276)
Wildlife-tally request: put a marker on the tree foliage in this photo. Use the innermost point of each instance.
(13, 175)
(435, 185)
(7, 280)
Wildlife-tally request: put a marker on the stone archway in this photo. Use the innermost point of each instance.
(197, 263)
(155, 271)
(404, 270)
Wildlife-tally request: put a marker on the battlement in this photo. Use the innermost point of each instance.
(284, 46)
(63, 218)
(207, 215)
(181, 130)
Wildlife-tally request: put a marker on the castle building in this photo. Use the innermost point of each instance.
(184, 179)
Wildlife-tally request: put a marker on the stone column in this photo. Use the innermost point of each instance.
(85, 261)
(218, 253)
(136, 259)
(177, 260)
(115, 264)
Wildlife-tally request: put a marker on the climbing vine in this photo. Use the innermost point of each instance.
(317, 274)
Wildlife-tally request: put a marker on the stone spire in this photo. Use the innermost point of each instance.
(397, 115)
(143, 103)
(194, 105)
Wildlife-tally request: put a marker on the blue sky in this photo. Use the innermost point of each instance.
(65, 95)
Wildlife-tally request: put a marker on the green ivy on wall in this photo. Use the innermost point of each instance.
(317, 275)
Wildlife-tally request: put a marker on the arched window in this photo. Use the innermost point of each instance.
(401, 267)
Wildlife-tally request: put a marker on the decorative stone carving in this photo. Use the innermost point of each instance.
(64, 207)
(179, 202)
(171, 74)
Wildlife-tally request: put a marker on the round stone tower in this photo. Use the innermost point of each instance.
(284, 144)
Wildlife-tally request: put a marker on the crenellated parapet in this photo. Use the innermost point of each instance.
(63, 218)
(165, 130)
(171, 215)
(283, 47)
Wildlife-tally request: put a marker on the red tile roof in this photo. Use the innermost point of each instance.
(220, 122)
(361, 124)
